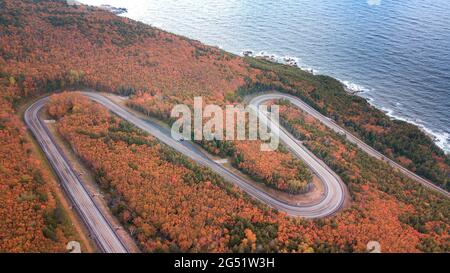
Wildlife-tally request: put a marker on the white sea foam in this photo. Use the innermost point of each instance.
(388, 112)
(374, 2)
(441, 139)
(286, 59)
(353, 87)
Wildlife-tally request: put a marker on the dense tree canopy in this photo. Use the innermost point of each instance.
(380, 193)
(168, 203)
(31, 219)
(47, 45)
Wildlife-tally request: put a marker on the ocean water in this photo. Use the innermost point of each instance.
(396, 51)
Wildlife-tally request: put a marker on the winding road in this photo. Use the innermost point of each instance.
(350, 137)
(334, 188)
(103, 232)
(100, 228)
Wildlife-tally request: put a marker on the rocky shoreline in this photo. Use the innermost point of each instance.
(348, 87)
(114, 10)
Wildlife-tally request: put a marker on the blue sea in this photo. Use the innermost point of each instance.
(397, 52)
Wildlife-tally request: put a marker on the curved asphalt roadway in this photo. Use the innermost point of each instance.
(102, 231)
(333, 126)
(99, 227)
(334, 191)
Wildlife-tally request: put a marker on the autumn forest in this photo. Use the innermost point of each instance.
(165, 201)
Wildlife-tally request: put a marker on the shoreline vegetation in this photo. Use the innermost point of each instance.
(92, 48)
(366, 121)
(349, 87)
(293, 62)
(101, 139)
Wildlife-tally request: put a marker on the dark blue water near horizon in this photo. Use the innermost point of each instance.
(396, 51)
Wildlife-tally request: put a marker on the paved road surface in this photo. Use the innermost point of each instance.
(100, 229)
(333, 126)
(329, 204)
